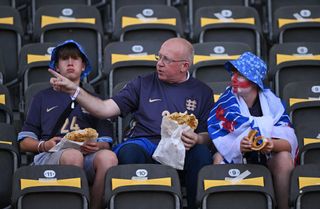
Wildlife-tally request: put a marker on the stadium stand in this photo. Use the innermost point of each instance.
(57, 186)
(78, 22)
(305, 118)
(194, 5)
(235, 186)
(293, 62)
(229, 24)
(142, 186)
(10, 161)
(305, 189)
(273, 5)
(152, 22)
(296, 24)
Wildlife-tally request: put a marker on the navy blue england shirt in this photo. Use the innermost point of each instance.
(148, 98)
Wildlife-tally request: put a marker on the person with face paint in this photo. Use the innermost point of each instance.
(68, 59)
(247, 105)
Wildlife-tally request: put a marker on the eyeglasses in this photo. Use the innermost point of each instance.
(167, 60)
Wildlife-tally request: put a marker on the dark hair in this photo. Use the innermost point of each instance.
(69, 50)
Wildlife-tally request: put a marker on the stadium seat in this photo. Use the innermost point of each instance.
(116, 4)
(6, 114)
(229, 24)
(218, 88)
(210, 57)
(305, 189)
(305, 118)
(10, 161)
(194, 5)
(36, 4)
(297, 24)
(293, 62)
(78, 22)
(301, 91)
(142, 186)
(147, 22)
(273, 5)
(8, 3)
(235, 186)
(10, 41)
(50, 186)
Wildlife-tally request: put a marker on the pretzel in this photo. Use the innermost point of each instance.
(258, 142)
(184, 118)
(82, 135)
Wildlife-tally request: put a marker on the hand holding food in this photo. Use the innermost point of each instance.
(82, 135)
(258, 142)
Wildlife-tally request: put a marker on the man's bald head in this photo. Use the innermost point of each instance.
(181, 47)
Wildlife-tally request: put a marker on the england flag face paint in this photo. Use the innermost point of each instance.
(240, 85)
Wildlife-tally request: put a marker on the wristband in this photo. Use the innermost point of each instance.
(74, 96)
(41, 142)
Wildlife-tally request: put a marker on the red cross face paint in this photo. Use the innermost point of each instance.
(240, 85)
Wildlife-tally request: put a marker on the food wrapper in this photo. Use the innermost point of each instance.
(170, 150)
(66, 143)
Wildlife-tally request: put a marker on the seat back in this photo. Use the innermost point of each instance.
(247, 185)
(274, 5)
(304, 187)
(142, 186)
(10, 42)
(293, 62)
(194, 5)
(116, 4)
(57, 186)
(10, 161)
(229, 24)
(305, 117)
(297, 24)
(300, 91)
(210, 57)
(152, 22)
(78, 22)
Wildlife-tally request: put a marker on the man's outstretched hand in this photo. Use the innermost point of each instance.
(61, 83)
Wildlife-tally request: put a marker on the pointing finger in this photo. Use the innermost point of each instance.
(54, 73)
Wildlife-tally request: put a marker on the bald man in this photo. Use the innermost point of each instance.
(169, 89)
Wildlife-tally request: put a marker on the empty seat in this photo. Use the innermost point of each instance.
(293, 62)
(147, 22)
(54, 186)
(305, 189)
(229, 24)
(297, 24)
(10, 161)
(305, 120)
(235, 186)
(142, 186)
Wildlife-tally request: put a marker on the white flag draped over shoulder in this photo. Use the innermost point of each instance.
(230, 121)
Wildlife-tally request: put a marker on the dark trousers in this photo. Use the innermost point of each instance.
(197, 157)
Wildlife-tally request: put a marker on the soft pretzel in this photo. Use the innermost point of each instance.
(258, 142)
(82, 135)
(184, 118)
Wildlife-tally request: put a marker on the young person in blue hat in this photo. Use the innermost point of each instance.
(69, 60)
(247, 105)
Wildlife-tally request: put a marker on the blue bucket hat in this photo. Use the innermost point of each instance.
(54, 57)
(250, 66)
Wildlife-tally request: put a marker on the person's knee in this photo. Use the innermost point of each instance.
(104, 159)
(131, 154)
(282, 162)
(72, 157)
